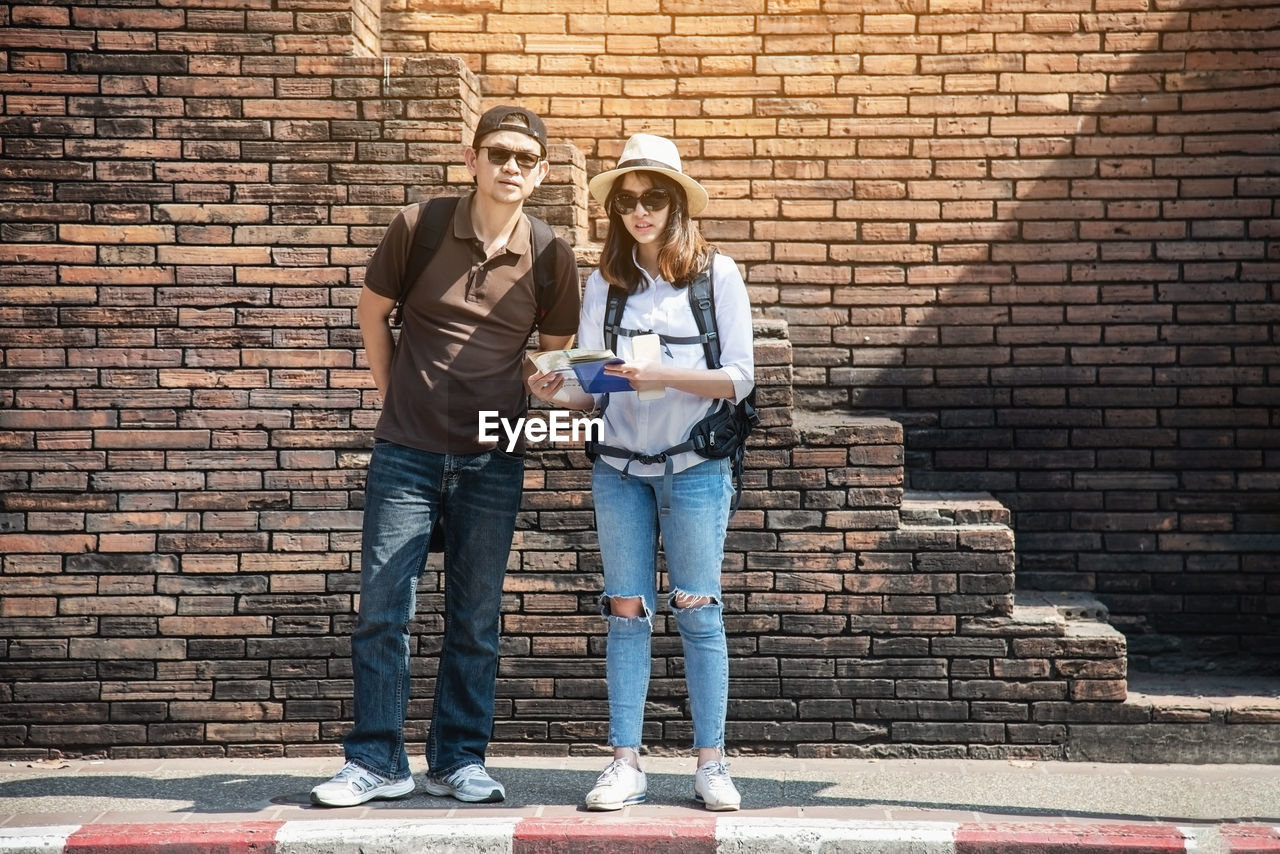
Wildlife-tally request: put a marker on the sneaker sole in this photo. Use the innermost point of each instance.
(384, 793)
(441, 790)
(616, 805)
(717, 807)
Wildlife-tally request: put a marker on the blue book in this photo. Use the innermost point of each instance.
(582, 367)
(591, 375)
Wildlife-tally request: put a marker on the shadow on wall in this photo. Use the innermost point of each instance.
(1086, 326)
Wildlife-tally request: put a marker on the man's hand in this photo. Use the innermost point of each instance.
(545, 384)
(372, 312)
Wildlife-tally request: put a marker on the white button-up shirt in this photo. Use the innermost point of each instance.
(651, 426)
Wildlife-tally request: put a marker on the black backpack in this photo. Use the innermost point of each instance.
(434, 217)
(724, 431)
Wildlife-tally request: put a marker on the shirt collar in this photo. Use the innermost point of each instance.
(635, 259)
(521, 238)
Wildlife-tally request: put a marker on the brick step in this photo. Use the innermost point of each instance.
(1206, 697)
(965, 536)
(952, 508)
(1112, 714)
(1071, 606)
(1185, 717)
(1067, 632)
(834, 427)
(1038, 613)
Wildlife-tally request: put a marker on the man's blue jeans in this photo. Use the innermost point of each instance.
(474, 497)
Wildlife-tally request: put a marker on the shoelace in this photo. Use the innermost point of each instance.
(716, 773)
(363, 779)
(467, 773)
(612, 772)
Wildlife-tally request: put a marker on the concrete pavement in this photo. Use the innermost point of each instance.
(912, 806)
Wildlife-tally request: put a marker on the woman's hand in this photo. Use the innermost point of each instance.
(643, 376)
(706, 383)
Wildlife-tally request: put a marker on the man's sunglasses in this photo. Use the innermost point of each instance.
(653, 200)
(502, 156)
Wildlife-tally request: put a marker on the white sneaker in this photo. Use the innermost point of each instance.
(354, 785)
(713, 789)
(618, 785)
(470, 783)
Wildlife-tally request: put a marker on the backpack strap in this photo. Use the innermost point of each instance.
(434, 216)
(702, 299)
(614, 306)
(624, 332)
(543, 240)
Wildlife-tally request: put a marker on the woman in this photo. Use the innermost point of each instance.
(653, 251)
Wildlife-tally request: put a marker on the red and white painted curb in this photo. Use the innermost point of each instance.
(621, 834)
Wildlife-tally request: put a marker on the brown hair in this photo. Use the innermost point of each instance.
(684, 252)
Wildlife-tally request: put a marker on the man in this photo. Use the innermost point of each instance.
(467, 320)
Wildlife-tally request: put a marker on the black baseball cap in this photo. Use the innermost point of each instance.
(507, 117)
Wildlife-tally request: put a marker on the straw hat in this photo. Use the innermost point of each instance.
(645, 152)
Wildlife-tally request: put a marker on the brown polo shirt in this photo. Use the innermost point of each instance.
(467, 321)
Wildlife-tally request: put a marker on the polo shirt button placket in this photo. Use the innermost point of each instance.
(475, 288)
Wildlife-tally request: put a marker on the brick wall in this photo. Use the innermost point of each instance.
(366, 26)
(187, 199)
(1043, 234)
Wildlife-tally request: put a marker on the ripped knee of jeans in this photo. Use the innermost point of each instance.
(634, 612)
(697, 616)
(679, 600)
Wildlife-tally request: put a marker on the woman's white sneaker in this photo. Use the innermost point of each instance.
(354, 785)
(714, 789)
(617, 786)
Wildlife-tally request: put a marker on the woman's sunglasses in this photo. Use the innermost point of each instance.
(653, 200)
(501, 156)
